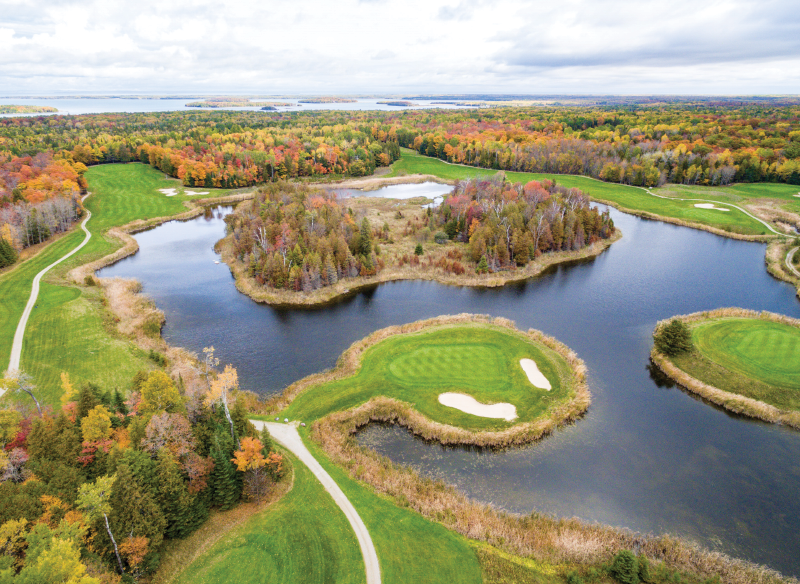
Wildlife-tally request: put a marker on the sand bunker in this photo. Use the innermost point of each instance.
(797, 195)
(710, 206)
(195, 192)
(534, 375)
(469, 405)
(169, 192)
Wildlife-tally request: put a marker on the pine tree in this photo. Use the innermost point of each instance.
(673, 338)
(177, 504)
(134, 511)
(225, 484)
(87, 399)
(8, 255)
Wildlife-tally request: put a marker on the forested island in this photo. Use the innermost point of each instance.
(233, 102)
(296, 239)
(398, 103)
(327, 100)
(27, 109)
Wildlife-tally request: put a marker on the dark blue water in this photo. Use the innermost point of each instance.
(647, 457)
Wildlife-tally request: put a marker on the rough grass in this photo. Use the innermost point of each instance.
(304, 537)
(544, 412)
(69, 328)
(627, 198)
(410, 548)
(744, 361)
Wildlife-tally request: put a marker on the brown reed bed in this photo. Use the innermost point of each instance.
(733, 402)
(540, 537)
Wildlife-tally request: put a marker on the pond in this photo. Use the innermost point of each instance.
(647, 456)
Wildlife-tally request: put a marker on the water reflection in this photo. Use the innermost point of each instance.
(646, 456)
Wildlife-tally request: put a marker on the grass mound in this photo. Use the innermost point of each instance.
(466, 354)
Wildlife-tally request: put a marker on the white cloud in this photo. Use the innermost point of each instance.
(374, 46)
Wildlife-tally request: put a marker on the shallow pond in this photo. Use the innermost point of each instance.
(646, 456)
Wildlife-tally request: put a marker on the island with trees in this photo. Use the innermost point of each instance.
(327, 100)
(27, 109)
(744, 361)
(294, 244)
(234, 102)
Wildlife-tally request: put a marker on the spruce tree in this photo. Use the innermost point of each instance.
(226, 488)
(674, 338)
(177, 504)
(8, 255)
(87, 399)
(134, 510)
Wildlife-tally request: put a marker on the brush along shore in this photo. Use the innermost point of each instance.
(745, 361)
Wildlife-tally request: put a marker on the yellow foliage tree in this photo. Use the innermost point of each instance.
(221, 388)
(159, 394)
(67, 388)
(96, 426)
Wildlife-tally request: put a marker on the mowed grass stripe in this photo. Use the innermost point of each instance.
(304, 537)
(67, 327)
(483, 362)
(411, 549)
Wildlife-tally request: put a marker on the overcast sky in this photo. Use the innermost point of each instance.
(277, 47)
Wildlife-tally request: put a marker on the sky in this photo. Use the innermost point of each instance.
(321, 47)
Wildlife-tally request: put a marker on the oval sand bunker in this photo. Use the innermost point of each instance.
(710, 206)
(469, 405)
(534, 375)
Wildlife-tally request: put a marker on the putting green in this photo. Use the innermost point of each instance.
(765, 351)
(478, 359)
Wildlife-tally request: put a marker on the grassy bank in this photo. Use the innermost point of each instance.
(70, 328)
(396, 374)
(632, 199)
(745, 361)
(304, 537)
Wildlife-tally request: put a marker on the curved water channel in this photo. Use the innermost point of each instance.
(647, 456)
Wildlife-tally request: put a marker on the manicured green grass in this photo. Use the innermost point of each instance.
(67, 330)
(625, 196)
(741, 193)
(750, 357)
(410, 548)
(475, 359)
(304, 537)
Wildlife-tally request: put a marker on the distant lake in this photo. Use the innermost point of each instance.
(114, 105)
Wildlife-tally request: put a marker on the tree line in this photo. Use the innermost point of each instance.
(101, 482)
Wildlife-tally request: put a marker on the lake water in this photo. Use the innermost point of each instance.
(110, 105)
(646, 456)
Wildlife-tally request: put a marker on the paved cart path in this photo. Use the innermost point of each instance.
(288, 436)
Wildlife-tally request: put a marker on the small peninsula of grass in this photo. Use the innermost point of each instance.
(745, 361)
(398, 374)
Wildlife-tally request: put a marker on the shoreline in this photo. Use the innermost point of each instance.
(732, 402)
(385, 409)
(331, 294)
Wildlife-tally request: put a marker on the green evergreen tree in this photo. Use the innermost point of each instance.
(418, 250)
(134, 510)
(483, 266)
(625, 568)
(365, 238)
(674, 338)
(225, 485)
(180, 510)
(8, 255)
(88, 398)
(241, 423)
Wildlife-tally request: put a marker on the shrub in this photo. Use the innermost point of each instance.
(89, 280)
(673, 338)
(440, 237)
(625, 568)
(574, 578)
(644, 569)
(418, 250)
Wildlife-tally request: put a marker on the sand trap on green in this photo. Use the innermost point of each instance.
(479, 361)
(534, 375)
(469, 405)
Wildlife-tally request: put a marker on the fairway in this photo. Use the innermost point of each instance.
(630, 198)
(69, 329)
(752, 357)
(304, 537)
(476, 359)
